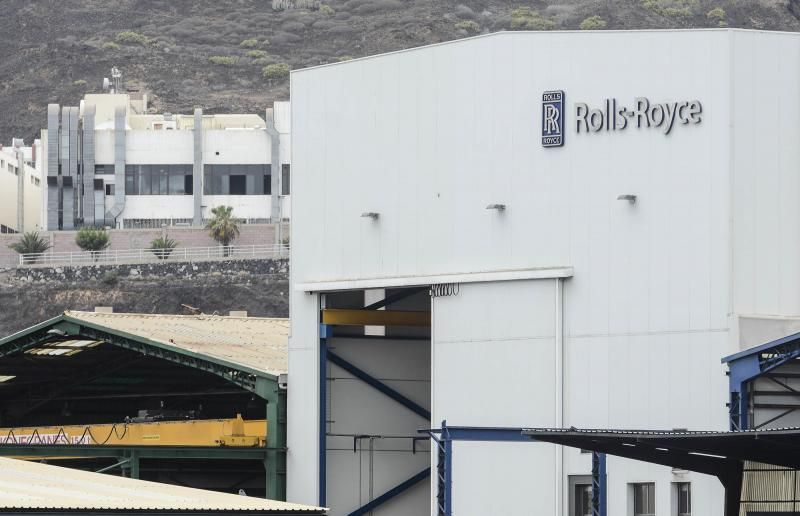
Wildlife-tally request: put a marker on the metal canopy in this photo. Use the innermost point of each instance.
(226, 347)
(750, 364)
(720, 454)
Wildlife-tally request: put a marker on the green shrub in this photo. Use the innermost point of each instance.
(716, 14)
(31, 243)
(110, 277)
(79, 82)
(110, 45)
(93, 240)
(525, 18)
(162, 247)
(593, 23)
(249, 43)
(327, 10)
(276, 71)
(257, 54)
(132, 38)
(223, 60)
(670, 8)
(468, 26)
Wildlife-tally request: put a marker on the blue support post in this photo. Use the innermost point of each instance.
(393, 492)
(379, 385)
(448, 470)
(325, 333)
(599, 485)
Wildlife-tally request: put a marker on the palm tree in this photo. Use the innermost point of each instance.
(222, 227)
(31, 243)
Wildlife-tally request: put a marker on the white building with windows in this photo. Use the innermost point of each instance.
(112, 161)
(20, 187)
(536, 229)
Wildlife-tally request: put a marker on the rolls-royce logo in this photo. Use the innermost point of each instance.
(553, 118)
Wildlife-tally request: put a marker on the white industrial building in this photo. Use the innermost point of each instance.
(565, 228)
(112, 161)
(20, 187)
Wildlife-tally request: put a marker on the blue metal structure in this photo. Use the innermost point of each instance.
(443, 438)
(599, 485)
(325, 332)
(753, 363)
(379, 385)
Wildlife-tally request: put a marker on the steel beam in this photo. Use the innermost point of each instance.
(392, 493)
(147, 452)
(379, 385)
(365, 317)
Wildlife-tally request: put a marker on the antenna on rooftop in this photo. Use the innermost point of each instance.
(113, 85)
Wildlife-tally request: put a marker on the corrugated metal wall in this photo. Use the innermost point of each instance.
(769, 489)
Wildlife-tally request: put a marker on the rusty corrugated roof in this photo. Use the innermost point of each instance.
(31, 486)
(258, 343)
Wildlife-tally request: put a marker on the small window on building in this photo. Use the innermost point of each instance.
(109, 189)
(644, 499)
(238, 185)
(285, 179)
(684, 498)
(98, 184)
(582, 501)
(188, 184)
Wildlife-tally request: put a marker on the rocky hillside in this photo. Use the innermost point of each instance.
(29, 296)
(234, 55)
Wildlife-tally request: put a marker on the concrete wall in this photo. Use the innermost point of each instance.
(444, 131)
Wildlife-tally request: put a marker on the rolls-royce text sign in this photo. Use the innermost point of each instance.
(614, 116)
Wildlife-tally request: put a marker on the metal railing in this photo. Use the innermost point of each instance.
(178, 254)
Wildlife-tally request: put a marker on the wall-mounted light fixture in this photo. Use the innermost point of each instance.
(498, 207)
(627, 197)
(371, 215)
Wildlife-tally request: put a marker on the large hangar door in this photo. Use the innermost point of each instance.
(495, 364)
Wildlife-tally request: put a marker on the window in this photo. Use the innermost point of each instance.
(238, 185)
(644, 499)
(158, 179)
(684, 498)
(285, 179)
(102, 170)
(235, 179)
(109, 189)
(583, 500)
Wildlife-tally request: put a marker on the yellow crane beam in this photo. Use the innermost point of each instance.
(206, 432)
(345, 317)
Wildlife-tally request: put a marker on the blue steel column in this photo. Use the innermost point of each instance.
(325, 333)
(599, 485)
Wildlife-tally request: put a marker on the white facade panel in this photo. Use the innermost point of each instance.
(766, 216)
(236, 146)
(158, 147)
(244, 206)
(166, 206)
